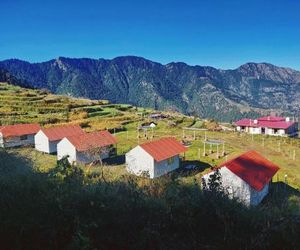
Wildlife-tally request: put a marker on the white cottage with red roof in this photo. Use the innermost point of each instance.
(155, 158)
(269, 125)
(46, 139)
(83, 148)
(18, 135)
(246, 177)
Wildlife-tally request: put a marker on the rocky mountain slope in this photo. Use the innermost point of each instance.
(205, 91)
(5, 76)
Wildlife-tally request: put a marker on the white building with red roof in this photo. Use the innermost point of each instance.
(86, 147)
(46, 139)
(269, 125)
(155, 158)
(246, 177)
(18, 135)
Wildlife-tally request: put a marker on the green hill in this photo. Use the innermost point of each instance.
(21, 105)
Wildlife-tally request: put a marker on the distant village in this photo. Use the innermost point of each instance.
(245, 177)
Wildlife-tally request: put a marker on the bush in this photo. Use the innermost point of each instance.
(66, 209)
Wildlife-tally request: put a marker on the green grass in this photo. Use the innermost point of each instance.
(40, 162)
(106, 207)
(235, 144)
(99, 115)
(19, 105)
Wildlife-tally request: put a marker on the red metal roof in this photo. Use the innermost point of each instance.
(253, 168)
(88, 141)
(271, 118)
(19, 129)
(273, 122)
(58, 133)
(164, 148)
(244, 122)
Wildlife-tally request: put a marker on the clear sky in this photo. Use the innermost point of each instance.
(223, 34)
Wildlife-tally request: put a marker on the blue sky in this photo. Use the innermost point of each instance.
(223, 34)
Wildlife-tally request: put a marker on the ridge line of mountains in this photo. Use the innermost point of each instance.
(226, 95)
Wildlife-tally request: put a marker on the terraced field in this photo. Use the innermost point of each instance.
(19, 105)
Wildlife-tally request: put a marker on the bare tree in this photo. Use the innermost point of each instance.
(96, 154)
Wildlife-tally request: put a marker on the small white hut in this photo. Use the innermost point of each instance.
(18, 135)
(46, 139)
(86, 147)
(246, 177)
(155, 158)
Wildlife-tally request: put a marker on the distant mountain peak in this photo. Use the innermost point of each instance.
(249, 90)
(129, 57)
(59, 62)
(177, 64)
(252, 66)
(270, 72)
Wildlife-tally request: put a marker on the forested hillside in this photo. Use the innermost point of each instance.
(204, 91)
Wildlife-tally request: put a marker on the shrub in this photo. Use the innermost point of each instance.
(66, 209)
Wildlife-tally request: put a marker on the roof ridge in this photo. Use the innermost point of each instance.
(253, 168)
(163, 148)
(59, 132)
(160, 139)
(19, 129)
(83, 141)
(232, 159)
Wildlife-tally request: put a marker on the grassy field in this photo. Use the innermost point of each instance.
(104, 207)
(19, 105)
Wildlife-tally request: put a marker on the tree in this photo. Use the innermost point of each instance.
(214, 183)
(212, 125)
(96, 154)
(66, 172)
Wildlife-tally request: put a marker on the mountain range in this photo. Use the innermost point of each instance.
(226, 95)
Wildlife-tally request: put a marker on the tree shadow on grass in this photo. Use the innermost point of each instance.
(280, 194)
(22, 196)
(115, 160)
(284, 188)
(14, 163)
(190, 168)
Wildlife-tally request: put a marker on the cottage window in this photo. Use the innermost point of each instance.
(170, 160)
(23, 137)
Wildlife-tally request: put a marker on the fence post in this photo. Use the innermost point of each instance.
(294, 155)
